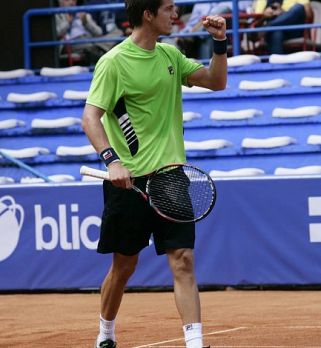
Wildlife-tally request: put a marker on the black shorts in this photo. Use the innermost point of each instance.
(128, 222)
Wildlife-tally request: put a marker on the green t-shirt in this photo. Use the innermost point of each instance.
(141, 92)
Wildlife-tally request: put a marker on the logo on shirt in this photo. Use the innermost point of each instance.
(170, 70)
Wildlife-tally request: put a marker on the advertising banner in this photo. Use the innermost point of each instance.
(261, 231)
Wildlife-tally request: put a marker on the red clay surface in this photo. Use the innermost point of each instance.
(234, 319)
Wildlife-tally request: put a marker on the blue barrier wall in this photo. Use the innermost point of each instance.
(262, 231)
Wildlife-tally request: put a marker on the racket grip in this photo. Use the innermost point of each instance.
(95, 173)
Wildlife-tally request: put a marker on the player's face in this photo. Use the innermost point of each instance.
(166, 15)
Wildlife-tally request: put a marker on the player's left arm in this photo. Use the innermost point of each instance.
(215, 76)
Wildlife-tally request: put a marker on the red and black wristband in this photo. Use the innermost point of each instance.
(108, 156)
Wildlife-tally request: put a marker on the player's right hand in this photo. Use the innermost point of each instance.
(216, 26)
(119, 175)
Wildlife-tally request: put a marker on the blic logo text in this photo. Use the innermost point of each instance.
(52, 233)
(11, 221)
(315, 210)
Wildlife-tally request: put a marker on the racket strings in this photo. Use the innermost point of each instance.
(200, 191)
(182, 193)
(171, 200)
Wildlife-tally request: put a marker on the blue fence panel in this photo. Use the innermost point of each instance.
(235, 31)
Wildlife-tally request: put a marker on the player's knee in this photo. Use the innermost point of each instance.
(124, 270)
(183, 264)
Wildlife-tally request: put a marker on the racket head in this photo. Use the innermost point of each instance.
(181, 193)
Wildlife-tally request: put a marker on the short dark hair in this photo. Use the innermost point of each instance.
(135, 10)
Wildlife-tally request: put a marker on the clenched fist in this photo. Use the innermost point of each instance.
(216, 26)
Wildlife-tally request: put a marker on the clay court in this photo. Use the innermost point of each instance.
(235, 319)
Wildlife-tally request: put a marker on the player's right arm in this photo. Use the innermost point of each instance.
(92, 126)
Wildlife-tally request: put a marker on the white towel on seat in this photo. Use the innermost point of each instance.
(298, 171)
(195, 89)
(72, 70)
(12, 74)
(55, 178)
(75, 95)
(55, 123)
(191, 115)
(310, 81)
(253, 143)
(212, 144)
(243, 59)
(303, 111)
(75, 150)
(11, 123)
(237, 172)
(314, 139)
(297, 57)
(261, 85)
(26, 152)
(4, 180)
(31, 97)
(235, 115)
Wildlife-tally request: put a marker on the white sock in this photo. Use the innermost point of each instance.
(106, 330)
(193, 335)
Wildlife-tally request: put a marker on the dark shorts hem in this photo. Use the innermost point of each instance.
(127, 252)
(163, 250)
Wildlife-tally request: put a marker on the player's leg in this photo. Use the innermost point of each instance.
(124, 232)
(114, 284)
(112, 291)
(177, 241)
(187, 300)
(181, 262)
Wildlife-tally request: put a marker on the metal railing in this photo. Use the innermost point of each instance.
(25, 166)
(235, 31)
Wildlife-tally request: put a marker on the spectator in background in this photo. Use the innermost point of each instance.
(80, 25)
(202, 47)
(282, 12)
(113, 23)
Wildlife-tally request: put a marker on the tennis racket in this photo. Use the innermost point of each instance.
(177, 192)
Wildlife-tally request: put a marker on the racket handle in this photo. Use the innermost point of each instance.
(95, 173)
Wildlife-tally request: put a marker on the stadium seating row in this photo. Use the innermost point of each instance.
(26, 126)
(13, 99)
(269, 130)
(215, 174)
(199, 148)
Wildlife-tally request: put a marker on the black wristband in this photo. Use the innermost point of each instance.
(108, 156)
(220, 46)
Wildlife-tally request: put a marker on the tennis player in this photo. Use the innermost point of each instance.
(136, 89)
